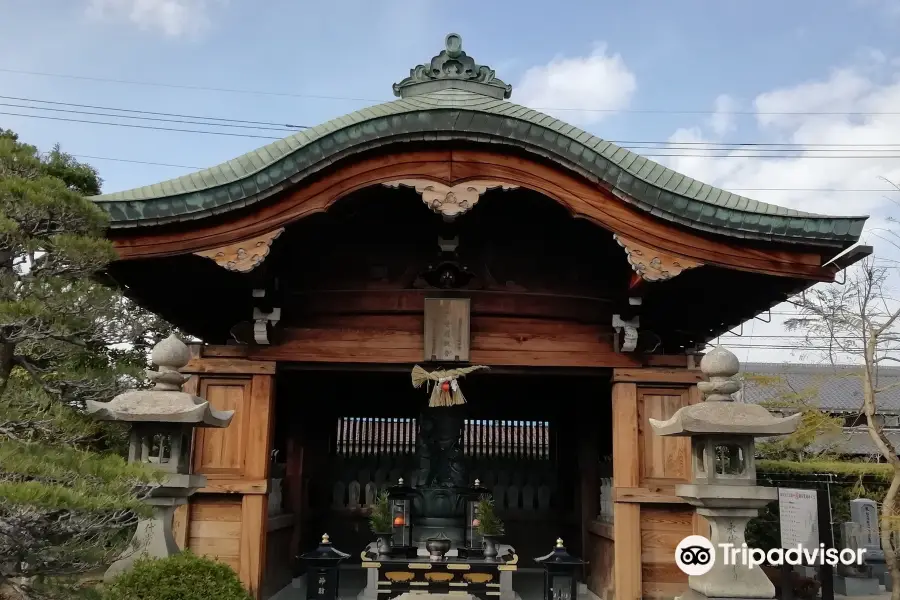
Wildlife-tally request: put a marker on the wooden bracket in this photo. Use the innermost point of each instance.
(651, 264)
(243, 256)
(450, 200)
(628, 331)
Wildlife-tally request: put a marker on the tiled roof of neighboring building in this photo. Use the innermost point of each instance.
(856, 441)
(835, 388)
(465, 102)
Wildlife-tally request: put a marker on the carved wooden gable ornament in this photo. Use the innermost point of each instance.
(652, 264)
(243, 256)
(450, 201)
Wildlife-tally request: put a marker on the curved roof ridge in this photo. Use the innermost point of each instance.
(453, 113)
(257, 160)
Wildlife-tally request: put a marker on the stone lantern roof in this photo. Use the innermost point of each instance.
(165, 403)
(719, 414)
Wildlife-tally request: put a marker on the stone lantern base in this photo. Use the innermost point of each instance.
(153, 537)
(728, 509)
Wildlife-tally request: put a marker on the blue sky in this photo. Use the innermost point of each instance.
(683, 55)
(727, 65)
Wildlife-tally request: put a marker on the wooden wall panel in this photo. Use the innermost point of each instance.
(601, 555)
(215, 529)
(663, 460)
(662, 527)
(180, 520)
(221, 451)
(252, 543)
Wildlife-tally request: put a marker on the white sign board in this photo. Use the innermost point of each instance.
(799, 516)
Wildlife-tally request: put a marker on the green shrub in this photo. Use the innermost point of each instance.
(380, 517)
(488, 521)
(184, 576)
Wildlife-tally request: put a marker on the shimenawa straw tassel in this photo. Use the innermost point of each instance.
(446, 391)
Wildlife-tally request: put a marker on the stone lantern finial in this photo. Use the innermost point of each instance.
(169, 355)
(720, 366)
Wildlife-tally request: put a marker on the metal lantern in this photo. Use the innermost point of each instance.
(401, 498)
(560, 573)
(323, 571)
(474, 541)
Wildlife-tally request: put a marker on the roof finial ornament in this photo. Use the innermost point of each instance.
(453, 43)
(452, 68)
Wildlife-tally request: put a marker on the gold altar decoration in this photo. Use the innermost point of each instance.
(446, 391)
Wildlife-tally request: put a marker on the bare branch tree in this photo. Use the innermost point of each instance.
(859, 322)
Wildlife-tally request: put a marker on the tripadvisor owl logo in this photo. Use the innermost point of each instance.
(695, 555)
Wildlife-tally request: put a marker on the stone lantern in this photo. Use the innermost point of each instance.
(723, 487)
(162, 422)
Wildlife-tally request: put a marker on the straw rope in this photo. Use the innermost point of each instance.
(446, 391)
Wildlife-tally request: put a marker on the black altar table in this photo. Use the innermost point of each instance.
(479, 577)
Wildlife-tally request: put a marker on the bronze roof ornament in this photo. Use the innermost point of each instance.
(452, 68)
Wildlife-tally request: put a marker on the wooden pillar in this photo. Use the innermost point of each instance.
(648, 519)
(294, 485)
(626, 473)
(588, 483)
(227, 519)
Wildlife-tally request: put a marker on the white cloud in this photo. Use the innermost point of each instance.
(873, 86)
(595, 86)
(834, 151)
(722, 121)
(175, 18)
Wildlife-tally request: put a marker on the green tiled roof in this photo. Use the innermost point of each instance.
(458, 111)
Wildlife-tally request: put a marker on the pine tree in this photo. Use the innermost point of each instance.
(67, 497)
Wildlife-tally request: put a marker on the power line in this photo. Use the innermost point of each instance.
(227, 122)
(160, 119)
(184, 87)
(136, 162)
(266, 137)
(668, 144)
(135, 126)
(147, 112)
(733, 149)
(355, 99)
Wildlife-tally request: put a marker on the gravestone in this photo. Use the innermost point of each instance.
(864, 512)
(853, 580)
